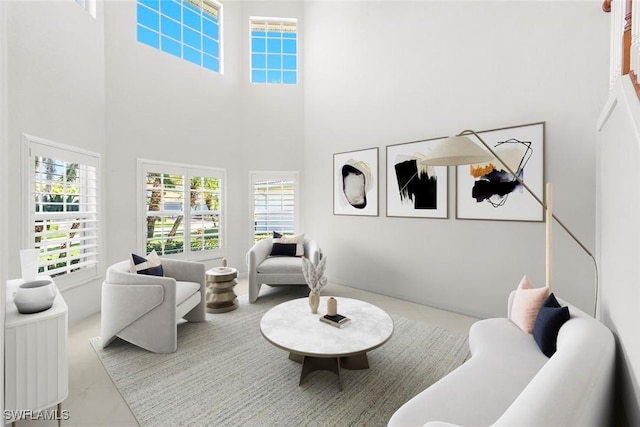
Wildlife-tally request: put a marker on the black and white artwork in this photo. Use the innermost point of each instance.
(355, 183)
(414, 189)
(490, 191)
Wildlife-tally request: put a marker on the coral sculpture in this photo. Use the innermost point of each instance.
(314, 275)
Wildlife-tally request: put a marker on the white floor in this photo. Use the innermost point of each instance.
(94, 400)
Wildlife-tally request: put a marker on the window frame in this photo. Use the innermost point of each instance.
(89, 6)
(255, 176)
(33, 146)
(183, 28)
(188, 171)
(281, 21)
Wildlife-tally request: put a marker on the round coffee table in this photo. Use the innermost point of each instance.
(319, 346)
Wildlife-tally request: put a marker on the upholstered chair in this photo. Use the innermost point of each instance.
(277, 270)
(144, 310)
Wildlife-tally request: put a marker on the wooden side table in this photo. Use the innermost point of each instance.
(220, 284)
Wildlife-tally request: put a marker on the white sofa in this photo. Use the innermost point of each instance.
(277, 270)
(508, 381)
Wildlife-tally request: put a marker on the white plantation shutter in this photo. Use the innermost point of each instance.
(275, 203)
(64, 209)
(182, 210)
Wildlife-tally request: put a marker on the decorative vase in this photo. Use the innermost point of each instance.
(314, 301)
(332, 306)
(34, 297)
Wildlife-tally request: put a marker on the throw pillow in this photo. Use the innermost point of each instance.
(550, 319)
(150, 265)
(298, 239)
(526, 304)
(283, 249)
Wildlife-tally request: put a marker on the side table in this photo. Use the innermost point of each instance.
(220, 295)
(35, 357)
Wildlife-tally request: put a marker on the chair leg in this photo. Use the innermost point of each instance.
(254, 290)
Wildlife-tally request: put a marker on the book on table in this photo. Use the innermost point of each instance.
(337, 320)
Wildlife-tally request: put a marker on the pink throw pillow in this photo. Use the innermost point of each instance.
(526, 304)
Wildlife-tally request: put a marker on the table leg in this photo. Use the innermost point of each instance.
(333, 364)
(311, 364)
(358, 361)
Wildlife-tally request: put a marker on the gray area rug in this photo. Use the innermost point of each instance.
(226, 374)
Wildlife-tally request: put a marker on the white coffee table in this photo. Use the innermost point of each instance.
(319, 346)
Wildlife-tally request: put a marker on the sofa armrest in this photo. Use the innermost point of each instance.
(312, 251)
(133, 297)
(184, 271)
(258, 253)
(510, 303)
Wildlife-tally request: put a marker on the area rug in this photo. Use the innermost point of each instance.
(226, 374)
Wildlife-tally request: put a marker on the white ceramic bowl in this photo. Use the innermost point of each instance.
(36, 296)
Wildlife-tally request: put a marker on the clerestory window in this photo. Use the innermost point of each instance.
(188, 29)
(274, 50)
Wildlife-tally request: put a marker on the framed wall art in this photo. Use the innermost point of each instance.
(355, 183)
(415, 190)
(489, 191)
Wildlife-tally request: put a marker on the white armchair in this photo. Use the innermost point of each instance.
(144, 310)
(277, 270)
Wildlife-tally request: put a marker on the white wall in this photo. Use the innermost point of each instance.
(618, 236)
(4, 185)
(55, 77)
(381, 73)
(162, 108)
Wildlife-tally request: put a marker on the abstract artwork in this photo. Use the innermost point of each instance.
(355, 183)
(490, 191)
(413, 189)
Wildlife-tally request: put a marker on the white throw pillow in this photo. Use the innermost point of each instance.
(298, 239)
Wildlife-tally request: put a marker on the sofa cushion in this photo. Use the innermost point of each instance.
(550, 319)
(184, 290)
(149, 265)
(526, 304)
(281, 265)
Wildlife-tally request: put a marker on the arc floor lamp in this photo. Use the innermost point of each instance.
(461, 150)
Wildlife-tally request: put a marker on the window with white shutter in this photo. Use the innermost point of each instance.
(275, 203)
(63, 185)
(182, 208)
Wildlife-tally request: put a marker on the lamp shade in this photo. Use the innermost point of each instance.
(456, 150)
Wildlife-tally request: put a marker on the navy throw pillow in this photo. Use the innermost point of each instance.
(149, 265)
(283, 249)
(550, 319)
